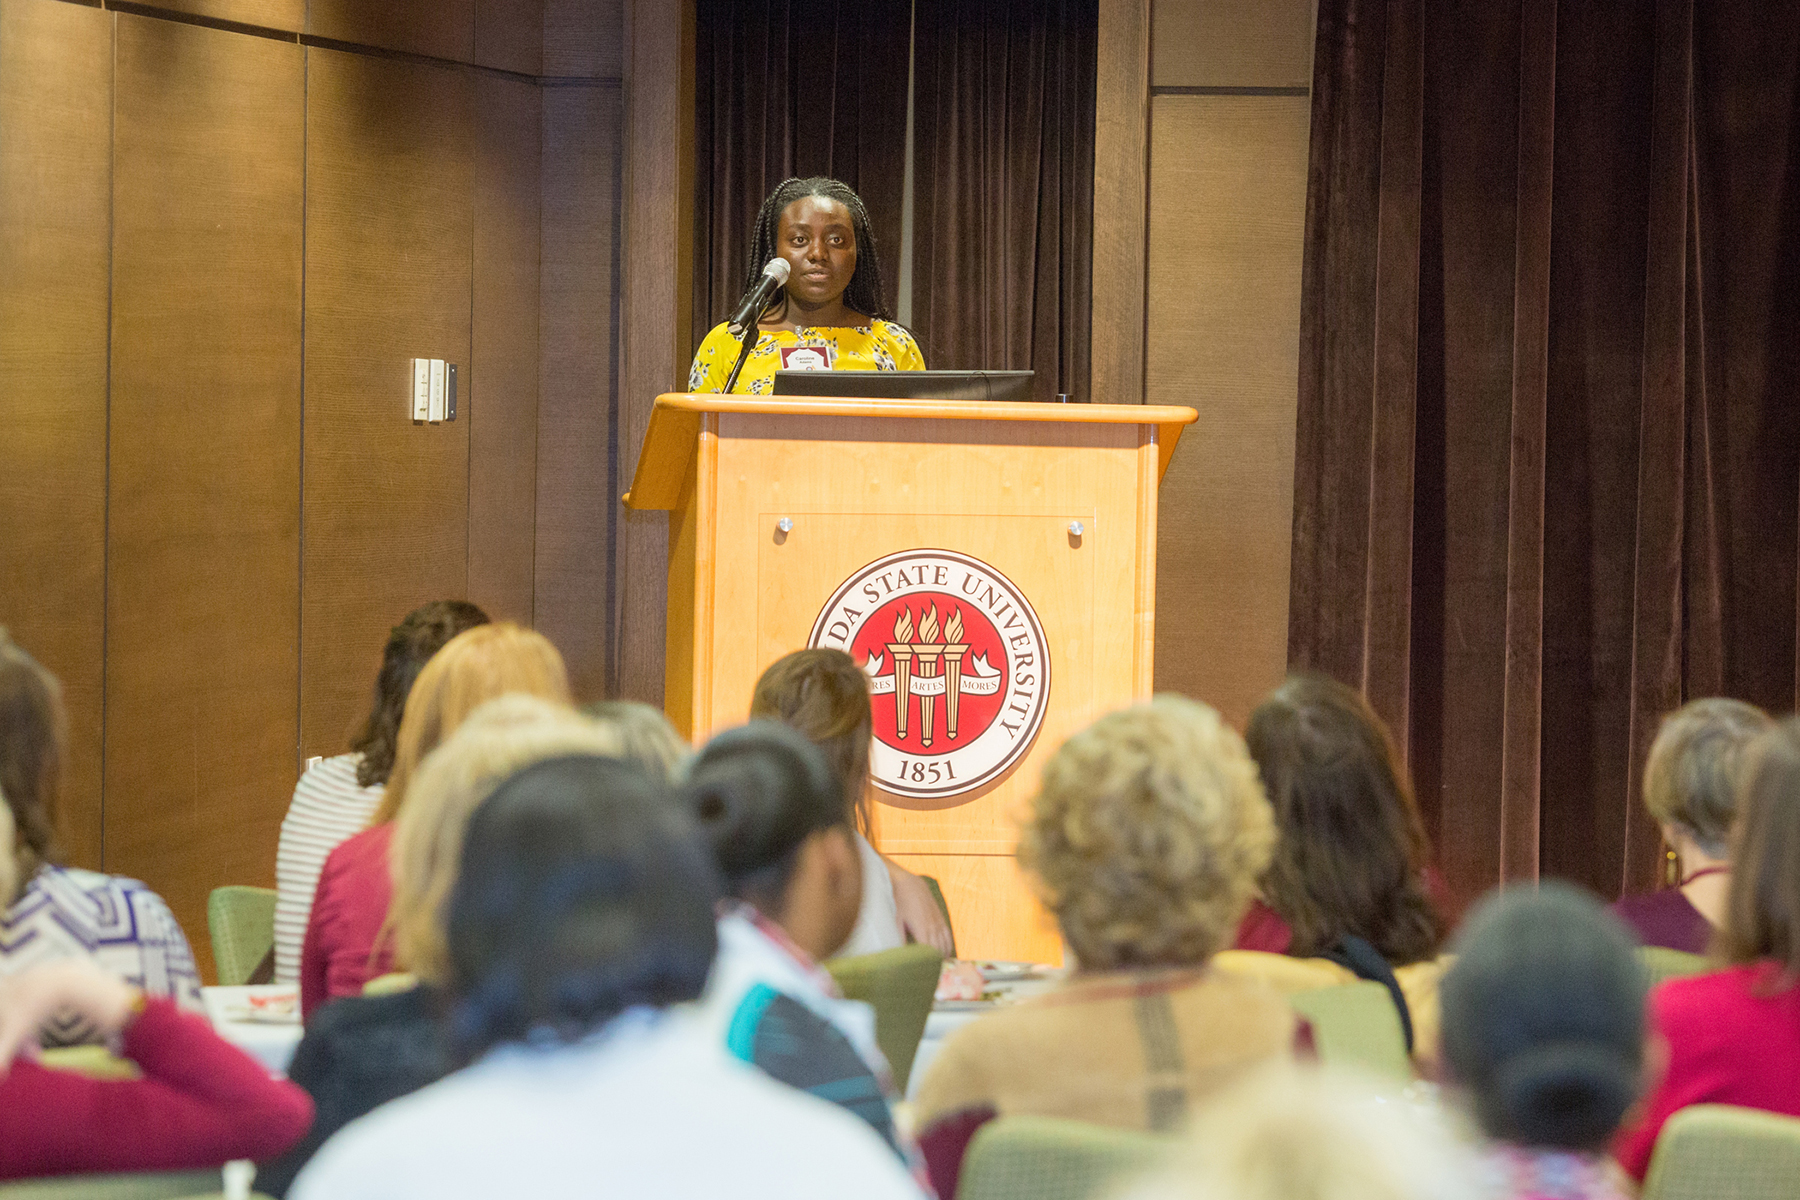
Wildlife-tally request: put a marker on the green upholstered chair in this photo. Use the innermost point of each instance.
(241, 921)
(1660, 963)
(1718, 1152)
(1048, 1158)
(146, 1185)
(900, 985)
(1356, 1024)
(937, 893)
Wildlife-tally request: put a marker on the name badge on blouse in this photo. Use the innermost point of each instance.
(806, 358)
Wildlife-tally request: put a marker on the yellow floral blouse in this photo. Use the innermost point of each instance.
(880, 346)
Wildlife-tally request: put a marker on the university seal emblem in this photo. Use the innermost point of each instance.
(958, 668)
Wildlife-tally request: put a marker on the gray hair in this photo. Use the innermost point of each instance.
(1691, 776)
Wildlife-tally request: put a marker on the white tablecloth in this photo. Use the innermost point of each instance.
(269, 1043)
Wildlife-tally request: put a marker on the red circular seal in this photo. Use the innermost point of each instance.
(958, 666)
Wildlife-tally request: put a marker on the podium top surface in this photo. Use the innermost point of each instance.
(676, 416)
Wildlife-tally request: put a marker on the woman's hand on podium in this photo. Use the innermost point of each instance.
(921, 920)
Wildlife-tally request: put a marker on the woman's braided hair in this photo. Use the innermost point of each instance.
(865, 292)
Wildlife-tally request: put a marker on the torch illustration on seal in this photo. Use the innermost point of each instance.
(927, 649)
(954, 649)
(901, 649)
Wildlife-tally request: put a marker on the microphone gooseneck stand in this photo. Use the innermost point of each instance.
(752, 335)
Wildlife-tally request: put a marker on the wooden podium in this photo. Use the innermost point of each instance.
(994, 565)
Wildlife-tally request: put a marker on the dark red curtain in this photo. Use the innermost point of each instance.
(1003, 198)
(793, 87)
(1549, 411)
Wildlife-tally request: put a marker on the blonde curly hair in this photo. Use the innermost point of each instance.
(498, 740)
(1147, 836)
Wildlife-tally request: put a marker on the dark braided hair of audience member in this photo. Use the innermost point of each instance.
(582, 892)
(865, 291)
(410, 645)
(759, 791)
(33, 735)
(1351, 856)
(1543, 1018)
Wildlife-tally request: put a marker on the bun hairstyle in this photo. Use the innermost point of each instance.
(1543, 1018)
(581, 892)
(759, 791)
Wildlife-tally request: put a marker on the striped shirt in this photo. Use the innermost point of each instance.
(329, 807)
(126, 928)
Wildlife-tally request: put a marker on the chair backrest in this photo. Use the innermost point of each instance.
(241, 921)
(937, 893)
(1048, 1158)
(1356, 1023)
(95, 1062)
(1660, 963)
(144, 1185)
(900, 985)
(1718, 1152)
(393, 981)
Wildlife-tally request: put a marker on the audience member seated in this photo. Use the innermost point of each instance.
(583, 910)
(336, 796)
(1292, 1133)
(343, 948)
(1146, 837)
(825, 695)
(1348, 888)
(1734, 1035)
(646, 736)
(359, 1052)
(49, 911)
(200, 1102)
(780, 829)
(1690, 788)
(1544, 1037)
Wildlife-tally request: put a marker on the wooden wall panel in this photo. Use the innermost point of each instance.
(502, 384)
(389, 228)
(1232, 43)
(1121, 133)
(586, 38)
(203, 528)
(287, 15)
(655, 330)
(55, 247)
(1227, 210)
(439, 28)
(577, 488)
(509, 34)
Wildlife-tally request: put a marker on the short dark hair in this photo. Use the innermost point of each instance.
(410, 645)
(824, 696)
(864, 293)
(1762, 908)
(1352, 853)
(33, 743)
(582, 892)
(1543, 1018)
(759, 791)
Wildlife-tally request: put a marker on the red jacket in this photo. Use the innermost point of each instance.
(1734, 1038)
(347, 914)
(201, 1103)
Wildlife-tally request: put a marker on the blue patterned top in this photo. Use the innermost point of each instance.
(126, 928)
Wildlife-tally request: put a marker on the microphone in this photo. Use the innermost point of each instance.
(743, 317)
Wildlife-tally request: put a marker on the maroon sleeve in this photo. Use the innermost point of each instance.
(944, 1142)
(202, 1102)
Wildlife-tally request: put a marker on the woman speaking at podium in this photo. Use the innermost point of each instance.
(828, 315)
